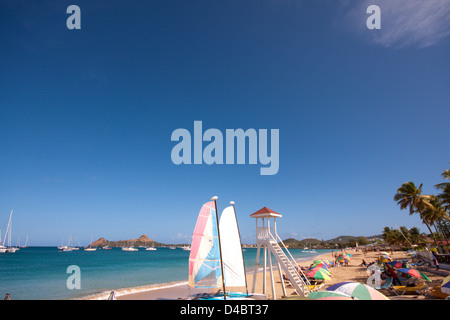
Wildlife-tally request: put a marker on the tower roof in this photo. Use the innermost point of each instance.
(265, 212)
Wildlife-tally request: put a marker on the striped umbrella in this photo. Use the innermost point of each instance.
(413, 273)
(358, 290)
(329, 295)
(324, 262)
(395, 264)
(319, 274)
(343, 259)
(445, 286)
(319, 265)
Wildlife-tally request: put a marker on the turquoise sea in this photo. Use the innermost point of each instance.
(41, 272)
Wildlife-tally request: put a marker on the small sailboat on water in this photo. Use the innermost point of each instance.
(9, 248)
(89, 247)
(2, 247)
(216, 259)
(152, 248)
(130, 248)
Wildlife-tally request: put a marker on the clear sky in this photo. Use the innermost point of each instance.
(86, 116)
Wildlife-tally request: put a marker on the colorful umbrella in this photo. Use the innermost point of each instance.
(319, 274)
(396, 264)
(358, 290)
(329, 295)
(324, 262)
(320, 265)
(384, 258)
(413, 273)
(343, 259)
(445, 286)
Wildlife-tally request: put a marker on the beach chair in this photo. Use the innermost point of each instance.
(316, 287)
(386, 285)
(401, 290)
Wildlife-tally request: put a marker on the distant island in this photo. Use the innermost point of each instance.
(142, 241)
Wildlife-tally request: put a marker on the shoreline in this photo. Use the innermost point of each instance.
(353, 272)
(179, 289)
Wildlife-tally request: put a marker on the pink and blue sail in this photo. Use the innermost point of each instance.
(204, 259)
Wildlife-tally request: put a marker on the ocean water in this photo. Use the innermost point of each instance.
(42, 272)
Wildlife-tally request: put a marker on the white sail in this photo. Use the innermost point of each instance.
(233, 264)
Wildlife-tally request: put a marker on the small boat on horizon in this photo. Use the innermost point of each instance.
(68, 247)
(9, 248)
(152, 248)
(129, 249)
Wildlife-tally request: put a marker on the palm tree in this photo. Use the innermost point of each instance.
(391, 236)
(415, 235)
(408, 195)
(436, 216)
(445, 195)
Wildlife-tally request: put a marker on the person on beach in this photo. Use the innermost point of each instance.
(435, 260)
(363, 263)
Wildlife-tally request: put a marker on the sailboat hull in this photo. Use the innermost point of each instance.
(230, 296)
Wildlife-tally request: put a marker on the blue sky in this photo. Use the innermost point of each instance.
(87, 115)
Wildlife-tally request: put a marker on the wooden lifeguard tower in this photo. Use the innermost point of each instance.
(268, 240)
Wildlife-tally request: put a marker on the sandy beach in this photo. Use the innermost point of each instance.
(351, 272)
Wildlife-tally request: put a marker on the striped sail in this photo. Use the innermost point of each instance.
(204, 258)
(232, 258)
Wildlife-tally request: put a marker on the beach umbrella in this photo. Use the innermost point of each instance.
(343, 259)
(395, 264)
(320, 265)
(328, 262)
(297, 298)
(329, 295)
(413, 273)
(445, 286)
(319, 274)
(324, 262)
(357, 290)
(383, 258)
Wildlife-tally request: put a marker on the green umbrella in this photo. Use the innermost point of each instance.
(330, 295)
(319, 274)
(414, 273)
